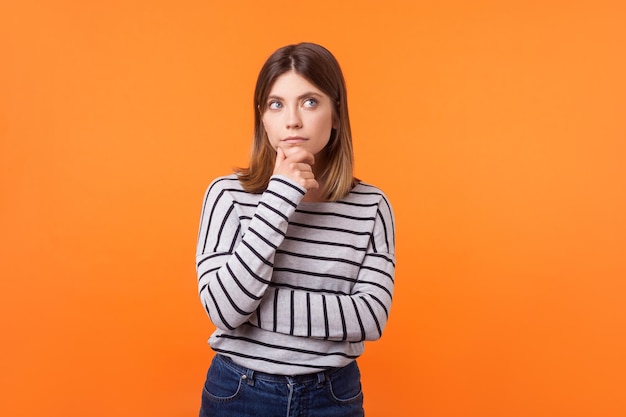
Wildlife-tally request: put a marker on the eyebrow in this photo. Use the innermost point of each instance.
(300, 97)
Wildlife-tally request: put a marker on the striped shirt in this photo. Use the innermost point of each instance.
(294, 287)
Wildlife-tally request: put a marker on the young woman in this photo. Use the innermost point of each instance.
(295, 257)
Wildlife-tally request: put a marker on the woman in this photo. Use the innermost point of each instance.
(295, 257)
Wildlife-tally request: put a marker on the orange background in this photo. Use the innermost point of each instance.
(497, 129)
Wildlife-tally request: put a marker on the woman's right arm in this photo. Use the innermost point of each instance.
(234, 270)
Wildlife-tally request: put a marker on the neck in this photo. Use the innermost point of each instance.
(314, 195)
(319, 165)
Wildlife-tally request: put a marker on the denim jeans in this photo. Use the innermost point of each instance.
(231, 390)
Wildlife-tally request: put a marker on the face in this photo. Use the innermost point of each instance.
(298, 114)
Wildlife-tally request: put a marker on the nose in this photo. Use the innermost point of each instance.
(294, 120)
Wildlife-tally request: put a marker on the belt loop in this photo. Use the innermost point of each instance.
(249, 377)
(321, 378)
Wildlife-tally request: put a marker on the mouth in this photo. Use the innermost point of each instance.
(294, 140)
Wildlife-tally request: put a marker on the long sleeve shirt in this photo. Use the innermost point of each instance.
(294, 287)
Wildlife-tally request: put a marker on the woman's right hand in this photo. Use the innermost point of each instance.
(296, 163)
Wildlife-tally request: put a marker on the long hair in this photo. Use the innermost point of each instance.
(318, 66)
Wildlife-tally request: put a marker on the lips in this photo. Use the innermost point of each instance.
(294, 140)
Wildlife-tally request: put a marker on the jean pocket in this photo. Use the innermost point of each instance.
(345, 385)
(222, 383)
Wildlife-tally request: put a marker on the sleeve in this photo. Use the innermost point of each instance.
(235, 269)
(355, 317)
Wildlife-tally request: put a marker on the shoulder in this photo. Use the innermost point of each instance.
(366, 193)
(384, 213)
(223, 184)
(223, 189)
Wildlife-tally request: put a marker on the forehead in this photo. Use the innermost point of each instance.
(293, 84)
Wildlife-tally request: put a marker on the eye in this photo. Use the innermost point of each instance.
(275, 105)
(310, 102)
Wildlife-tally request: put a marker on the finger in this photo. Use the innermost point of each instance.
(310, 184)
(301, 166)
(307, 175)
(280, 154)
(280, 157)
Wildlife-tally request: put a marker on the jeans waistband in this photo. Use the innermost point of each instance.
(250, 374)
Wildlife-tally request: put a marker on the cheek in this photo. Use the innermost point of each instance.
(327, 122)
(270, 133)
(267, 126)
(320, 120)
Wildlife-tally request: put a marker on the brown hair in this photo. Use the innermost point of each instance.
(318, 66)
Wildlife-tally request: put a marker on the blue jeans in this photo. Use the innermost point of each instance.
(231, 390)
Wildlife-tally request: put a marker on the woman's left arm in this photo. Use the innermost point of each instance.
(360, 315)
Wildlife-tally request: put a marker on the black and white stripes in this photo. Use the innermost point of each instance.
(294, 287)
